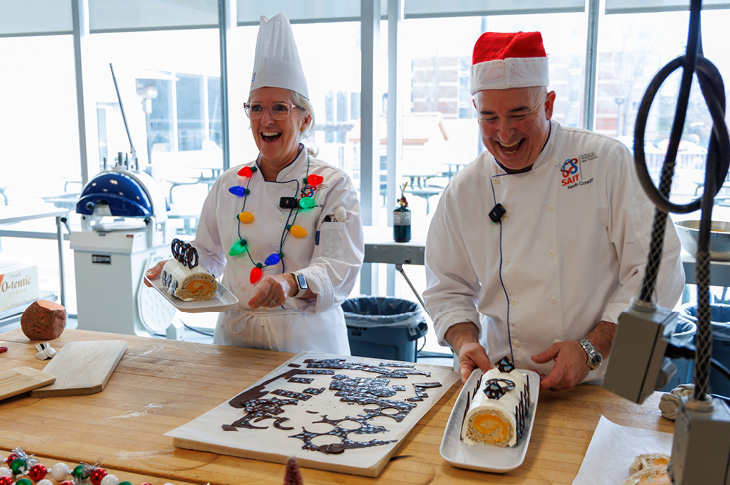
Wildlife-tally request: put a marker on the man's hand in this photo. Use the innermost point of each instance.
(570, 359)
(464, 339)
(570, 366)
(272, 291)
(471, 356)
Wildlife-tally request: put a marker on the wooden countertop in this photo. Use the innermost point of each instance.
(162, 384)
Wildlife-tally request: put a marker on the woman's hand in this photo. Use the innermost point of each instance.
(154, 272)
(272, 291)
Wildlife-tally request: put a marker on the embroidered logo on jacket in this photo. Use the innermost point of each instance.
(572, 171)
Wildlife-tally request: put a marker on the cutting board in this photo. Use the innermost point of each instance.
(22, 379)
(82, 367)
(312, 405)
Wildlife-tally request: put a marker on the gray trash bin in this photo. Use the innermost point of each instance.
(684, 333)
(384, 328)
(720, 321)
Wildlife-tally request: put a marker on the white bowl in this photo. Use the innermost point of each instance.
(689, 232)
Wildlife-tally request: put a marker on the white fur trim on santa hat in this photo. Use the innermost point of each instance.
(514, 72)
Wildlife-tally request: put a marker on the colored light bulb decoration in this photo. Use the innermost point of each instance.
(273, 259)
(239, 247)
(245, 172)
(402, 218)
(307, 203)
(298, 231)
(239, 190)
(314, 179)
(256, 274)
(246, 217)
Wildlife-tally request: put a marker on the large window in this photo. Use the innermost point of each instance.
(632, 49)
(38, 127)
(166, 55)
(169, 85)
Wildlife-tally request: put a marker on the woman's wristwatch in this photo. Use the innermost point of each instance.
(301, 284)
(594, 356)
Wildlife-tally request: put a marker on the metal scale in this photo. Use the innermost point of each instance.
(124, 232)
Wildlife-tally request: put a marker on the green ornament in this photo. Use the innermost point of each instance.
(125, 483)
(238, 247)
(18, 466)
(23, 481)
(307, 203)
(81, 472)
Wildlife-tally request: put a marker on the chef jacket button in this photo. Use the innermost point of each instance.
(516, 344)
(281, 218)
(555, 162)
(513, 301)
(551, 253)
(550, 207)
(496, 180)
(553, 299)
(504, 218)
(506, 261)
(557, 341)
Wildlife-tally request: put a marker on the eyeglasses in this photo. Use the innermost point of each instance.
(278, 111)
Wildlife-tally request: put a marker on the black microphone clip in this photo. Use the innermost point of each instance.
(498, 211)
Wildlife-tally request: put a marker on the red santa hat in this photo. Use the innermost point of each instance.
(508, 60)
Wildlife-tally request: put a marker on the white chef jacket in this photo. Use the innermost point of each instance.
(569, 252)
(330, 256)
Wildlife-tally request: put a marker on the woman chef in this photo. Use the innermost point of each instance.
(285, 228)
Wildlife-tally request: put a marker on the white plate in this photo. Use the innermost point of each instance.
(224, 299)
(485, 457)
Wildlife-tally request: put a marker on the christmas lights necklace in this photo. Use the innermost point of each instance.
(304, 202)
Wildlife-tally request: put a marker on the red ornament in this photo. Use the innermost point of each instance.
(256, 274)
(97, 475)
(66, 482)
(245, 172)
(37, 472)
(11, 457)
(6, 480)
(315, 179)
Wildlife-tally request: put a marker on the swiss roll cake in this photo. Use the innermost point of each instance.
(498, 408)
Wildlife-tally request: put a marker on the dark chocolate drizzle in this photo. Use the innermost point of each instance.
(301, 380)
(505, 365)
(365, 391)
(496, 388)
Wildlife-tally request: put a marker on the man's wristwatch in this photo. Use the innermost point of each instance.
(594, 357)
(301, 284)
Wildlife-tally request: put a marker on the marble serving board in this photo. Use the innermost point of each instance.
(295, 410)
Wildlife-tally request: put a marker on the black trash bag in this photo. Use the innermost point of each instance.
(378, 312)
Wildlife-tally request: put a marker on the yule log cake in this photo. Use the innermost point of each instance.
(498, 410)
(184, 278)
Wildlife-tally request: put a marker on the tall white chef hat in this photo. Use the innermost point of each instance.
(276, 63)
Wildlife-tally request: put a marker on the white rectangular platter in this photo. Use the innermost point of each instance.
(485, 457)
(224, 299)
(387, 406)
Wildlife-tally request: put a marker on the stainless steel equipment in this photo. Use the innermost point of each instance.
(689, 232)
(124, 232)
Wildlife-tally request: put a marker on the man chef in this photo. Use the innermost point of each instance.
(540, 243)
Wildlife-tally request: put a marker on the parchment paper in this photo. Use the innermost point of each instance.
(613, 449)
